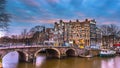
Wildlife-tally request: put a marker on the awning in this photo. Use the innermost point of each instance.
(116, 44)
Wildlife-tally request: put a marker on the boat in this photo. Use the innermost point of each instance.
(86, 56)
(107, 53)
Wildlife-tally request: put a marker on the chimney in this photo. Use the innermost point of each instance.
(77, 20)
(55, 22)
(86, 20)
(61, 21)
(70, 21)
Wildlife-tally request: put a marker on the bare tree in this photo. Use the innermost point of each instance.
(24, 34)
(38, 34)
(4, 16)
(37, 29)
(104, 29)
(109, 33)
(113, 29)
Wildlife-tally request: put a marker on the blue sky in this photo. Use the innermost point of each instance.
(28, 13)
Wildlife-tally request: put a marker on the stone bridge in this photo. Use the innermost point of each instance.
(28, 53)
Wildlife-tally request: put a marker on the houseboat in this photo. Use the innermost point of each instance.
(107, 53)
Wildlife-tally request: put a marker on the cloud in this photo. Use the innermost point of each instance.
(30, 3)
(54, 1)
(48, 11)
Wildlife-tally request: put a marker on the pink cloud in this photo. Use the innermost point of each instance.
(31, 3)
(37, 20)
(49, 21)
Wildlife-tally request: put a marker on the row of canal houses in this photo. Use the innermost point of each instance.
(79, 33)
(73, 33)
(83, 33)
(65, 33)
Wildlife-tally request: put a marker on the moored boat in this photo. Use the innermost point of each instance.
(107, 53)
(86, 56)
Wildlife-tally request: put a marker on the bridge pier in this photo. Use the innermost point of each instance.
(27, 58)
(30, 58)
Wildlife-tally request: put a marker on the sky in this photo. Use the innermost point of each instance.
(29, 13)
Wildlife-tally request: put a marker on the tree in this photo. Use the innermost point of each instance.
(4, 16)
(38, 34)
(24, 35)
(104, 29)
(37, 29)
(109, 33)
(113, 29)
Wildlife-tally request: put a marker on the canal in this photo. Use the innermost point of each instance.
(71, 62)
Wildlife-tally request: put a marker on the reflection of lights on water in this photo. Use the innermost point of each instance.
(108, 64)
(40, 60)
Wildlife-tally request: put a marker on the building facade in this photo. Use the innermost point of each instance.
(49, 34)
(80, 33)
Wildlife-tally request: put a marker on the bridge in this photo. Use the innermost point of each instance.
(28, 53)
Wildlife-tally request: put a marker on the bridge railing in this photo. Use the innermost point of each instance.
(27, 46)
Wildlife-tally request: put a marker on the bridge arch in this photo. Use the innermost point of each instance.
(23, 56)
(50, 52)
(70, 52)
(38, 51)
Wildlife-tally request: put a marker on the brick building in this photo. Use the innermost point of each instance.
(80, 33)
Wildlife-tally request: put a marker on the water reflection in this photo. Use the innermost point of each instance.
(111, 62)
(10, 60)
(10, 65)
(74, 62)
(40, 60)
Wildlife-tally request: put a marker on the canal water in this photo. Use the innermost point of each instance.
(70, 62)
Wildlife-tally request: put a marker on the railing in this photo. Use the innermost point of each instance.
(28, 46)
